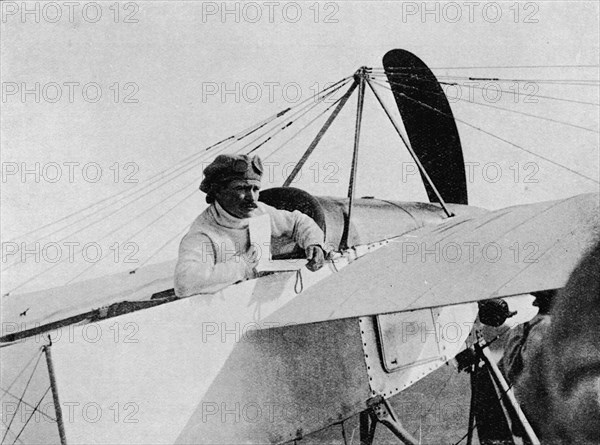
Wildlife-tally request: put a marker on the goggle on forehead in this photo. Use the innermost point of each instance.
(244, 164)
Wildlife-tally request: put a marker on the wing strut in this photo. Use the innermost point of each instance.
(495, 411)
(508, 395)
(359, 77)
(411, 151)
(57, 408)
(320, 135)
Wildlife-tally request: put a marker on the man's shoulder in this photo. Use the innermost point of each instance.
(265, 208)
(202, 224)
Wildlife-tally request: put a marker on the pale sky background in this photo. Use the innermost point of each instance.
(174, 52)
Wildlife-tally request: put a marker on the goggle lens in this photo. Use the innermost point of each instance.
(243, 165)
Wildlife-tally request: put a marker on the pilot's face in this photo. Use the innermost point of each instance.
(239, 197)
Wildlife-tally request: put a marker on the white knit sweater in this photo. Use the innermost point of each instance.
(211, 253)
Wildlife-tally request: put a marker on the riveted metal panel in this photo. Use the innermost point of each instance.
(413, 344)
(402, 338)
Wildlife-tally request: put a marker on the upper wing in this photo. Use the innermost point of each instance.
(512, 251)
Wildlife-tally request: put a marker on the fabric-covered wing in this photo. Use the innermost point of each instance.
(511, 251)
(49, 305)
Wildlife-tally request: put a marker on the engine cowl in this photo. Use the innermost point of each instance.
(372, 219)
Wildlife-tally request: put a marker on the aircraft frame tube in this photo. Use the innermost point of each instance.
(54, 389)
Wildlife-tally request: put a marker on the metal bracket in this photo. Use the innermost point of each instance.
(383, 413)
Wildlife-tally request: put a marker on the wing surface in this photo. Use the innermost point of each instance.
(48, 305)
(512, 251)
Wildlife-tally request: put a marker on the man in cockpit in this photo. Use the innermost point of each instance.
(217, 251)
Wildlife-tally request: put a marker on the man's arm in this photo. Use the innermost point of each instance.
(197, 271)
(296, 225)
(303, 230)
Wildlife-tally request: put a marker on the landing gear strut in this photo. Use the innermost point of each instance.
(381, 412)
(494, 411)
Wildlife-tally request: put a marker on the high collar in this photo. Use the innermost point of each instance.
(226, 219)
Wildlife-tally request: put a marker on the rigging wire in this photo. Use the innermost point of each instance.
(449, 116)
(406, 143)
(113, 231)
(31, 415)
(568, 82)
(169, 241)
(565, 82)
(500, 108)
(155, 220)
(290, 123)
(135, 234)
(30, 279)
(14, 434)
(187, 197)
(21, 398)
(239, 136)
(303, 128)
(21, 373)
(496, 136)
(514, 93)
(27, 404)
(485, 67)
(184, 199)
(299, 113)
(103, 237)
(101, 218)
(111, 196)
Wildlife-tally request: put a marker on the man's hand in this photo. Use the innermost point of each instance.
(315, 257)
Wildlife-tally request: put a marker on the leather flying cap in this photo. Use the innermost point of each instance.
(228, 167)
